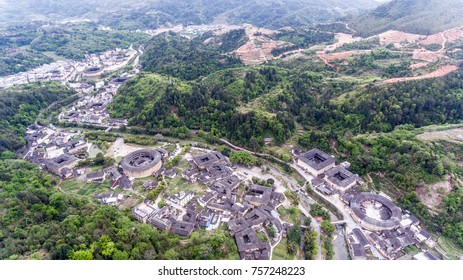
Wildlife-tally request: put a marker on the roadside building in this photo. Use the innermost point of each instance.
(181, 198)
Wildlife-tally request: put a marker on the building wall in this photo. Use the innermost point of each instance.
(144, 173)
(69, 166)
(335, 186)
(369, 226)
(313, 171)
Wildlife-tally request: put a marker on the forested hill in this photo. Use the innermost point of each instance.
(414, 16)
(172, 54)
(19, 107)
(250, 103)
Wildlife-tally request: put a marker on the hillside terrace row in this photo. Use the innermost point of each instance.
(244, 214)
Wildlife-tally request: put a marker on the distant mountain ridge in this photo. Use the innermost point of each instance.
(413, 16)
(262, 13)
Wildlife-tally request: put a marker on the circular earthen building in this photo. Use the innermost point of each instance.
(142, 163)
(375, 212)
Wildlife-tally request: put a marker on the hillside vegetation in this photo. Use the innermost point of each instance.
(27, 46)
(172, 54)
(19, 107)
(372, 125)
(413, 16)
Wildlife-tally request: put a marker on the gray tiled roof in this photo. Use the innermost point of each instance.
(317, 159)
(358, 251)
(96, 175)
(182, 228)
(341, 176)
(360, 237)
(259, 194)
(202, 160)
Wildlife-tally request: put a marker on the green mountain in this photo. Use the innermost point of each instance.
(151, 14)
(414, 16)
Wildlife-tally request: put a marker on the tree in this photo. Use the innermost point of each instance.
(286, 157)
(162, 203)
(7, 155)
(99, 159)
(120, 255)
(328, 227)
(171, 254)
(244, 158)
(107, 247)
(316, 210)
(271, 231)
(292, 248)
(82, 255)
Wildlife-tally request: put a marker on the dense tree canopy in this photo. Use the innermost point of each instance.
(19, 107)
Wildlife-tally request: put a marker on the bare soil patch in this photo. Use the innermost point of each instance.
(433, 39)
(432, 195)
(444, 70)
(425, 55)
(322, 56)
(398, 38)
(451, 135)
(259, 47)
(120, 149)
(418, 65)
(342, 38)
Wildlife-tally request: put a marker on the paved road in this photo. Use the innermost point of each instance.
(339, 245)
(176, 152)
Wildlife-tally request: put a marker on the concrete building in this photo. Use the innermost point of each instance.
(110, 198)
(143, 211)
(182, 198)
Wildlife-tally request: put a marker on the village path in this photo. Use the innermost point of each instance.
(305, 208)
